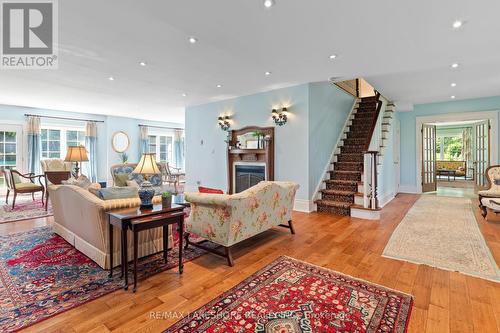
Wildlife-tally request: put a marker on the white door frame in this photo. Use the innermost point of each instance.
(449, 117)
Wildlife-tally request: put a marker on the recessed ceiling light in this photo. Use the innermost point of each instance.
(453, 84)
(111, 78)
(332, 56)
(269, 3)
(142, 63)
(268, 73)
(184, 95)
(193, 40)
(454, 65)
(452, 96)
(457, 24)
(219, 86)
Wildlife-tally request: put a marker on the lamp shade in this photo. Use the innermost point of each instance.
(147, 165)
(76, 154)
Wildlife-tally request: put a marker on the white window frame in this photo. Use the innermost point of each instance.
(63, 148)
(165, 133)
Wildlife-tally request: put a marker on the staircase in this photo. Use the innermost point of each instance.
(344, 182)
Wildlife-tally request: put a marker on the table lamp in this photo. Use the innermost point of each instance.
(76, 154)
(147, 166)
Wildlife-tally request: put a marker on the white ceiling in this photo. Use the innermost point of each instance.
(403, 48)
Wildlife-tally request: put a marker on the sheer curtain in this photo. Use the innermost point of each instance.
(34, 143)
(143, 140)
(179, 148)
(91, 145)
(467, 149)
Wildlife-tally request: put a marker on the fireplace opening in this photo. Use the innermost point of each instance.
(247, 176)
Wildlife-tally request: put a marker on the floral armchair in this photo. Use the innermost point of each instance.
(229, 219)
(489, 199)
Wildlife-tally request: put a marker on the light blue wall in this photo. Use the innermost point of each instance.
(408, 124)
(206, 159)
(106, 155)
(317, 113)
(329, 107)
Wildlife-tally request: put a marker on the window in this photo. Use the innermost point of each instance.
(55, 141)
(8, 153)
(162, 147)
(449, 148)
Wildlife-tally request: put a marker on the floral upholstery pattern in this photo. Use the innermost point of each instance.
(229, 219)
(493, 174)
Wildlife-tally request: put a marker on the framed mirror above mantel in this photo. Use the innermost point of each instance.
(250, 157)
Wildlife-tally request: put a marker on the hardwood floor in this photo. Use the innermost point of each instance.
(444, 301)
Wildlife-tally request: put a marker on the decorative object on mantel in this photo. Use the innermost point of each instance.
(280, 118)
(147, 166)
(224, 122)
(76, 154)
(250, 161)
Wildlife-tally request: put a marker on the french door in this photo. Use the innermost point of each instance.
(481, 152)
(429, 182)
(11, 150)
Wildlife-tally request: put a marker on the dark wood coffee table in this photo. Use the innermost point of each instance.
(137, 220)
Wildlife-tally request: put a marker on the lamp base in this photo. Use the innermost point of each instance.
(146, 194)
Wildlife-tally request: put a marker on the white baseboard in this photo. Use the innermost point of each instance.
(365, 214)
(302, 205)
(385, 199)
(408, 189)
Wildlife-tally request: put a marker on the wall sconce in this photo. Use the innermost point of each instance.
(279, 117)
(224, 123)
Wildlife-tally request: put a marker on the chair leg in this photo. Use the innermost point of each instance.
(292, 230)
(14, 200)
(7, 197)
(33, 195)
(229, 256)
(186, 238)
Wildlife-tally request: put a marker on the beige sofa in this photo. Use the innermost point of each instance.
(80, 218)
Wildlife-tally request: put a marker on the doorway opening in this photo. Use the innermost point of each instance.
(455, 156)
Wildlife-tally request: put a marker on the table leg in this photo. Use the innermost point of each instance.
(181, 238)
(110, 247)
(165, 243)
(125, 257)
(122, 265)
(135, 259)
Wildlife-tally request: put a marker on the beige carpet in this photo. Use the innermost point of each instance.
(443, 232)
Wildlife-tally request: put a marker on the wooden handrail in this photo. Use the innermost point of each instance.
(374, 122)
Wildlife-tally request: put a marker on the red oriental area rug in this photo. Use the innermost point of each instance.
(293, 296)
(42, 275)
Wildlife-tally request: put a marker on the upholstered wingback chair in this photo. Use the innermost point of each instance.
(492, 193)
(55, 164)
(229, 219)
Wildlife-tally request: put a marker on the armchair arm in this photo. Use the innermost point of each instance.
(208, 199)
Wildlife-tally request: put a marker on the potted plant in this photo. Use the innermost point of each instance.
(166, 199)
(124, 158)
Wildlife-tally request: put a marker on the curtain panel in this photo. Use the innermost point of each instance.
(143, 141)
(179, 148)
(91, 146)
(34, 143)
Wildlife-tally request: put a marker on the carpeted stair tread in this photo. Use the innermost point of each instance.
(341, 181)
(338, 192)
(332, 203)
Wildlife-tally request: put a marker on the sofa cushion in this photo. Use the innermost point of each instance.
(132, 183)
(202, 189)
(82, 182)
(110, 193)
(28, 186)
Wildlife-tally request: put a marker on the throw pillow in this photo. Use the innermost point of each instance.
(121, 179)
(82, 182)
(202, 189)
(155, 180)
(132, 183)
(111, 193)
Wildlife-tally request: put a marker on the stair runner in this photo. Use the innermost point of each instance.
(338, 197)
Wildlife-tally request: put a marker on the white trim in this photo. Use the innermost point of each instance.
(384, 200)
(492, 115)
(302, 205)
(365, 214)
(334, 151)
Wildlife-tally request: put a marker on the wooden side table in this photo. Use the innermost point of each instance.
(138, 220)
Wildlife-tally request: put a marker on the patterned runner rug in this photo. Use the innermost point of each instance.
(442, 232)
(41, 275)
(24, 209)
(293, 296)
